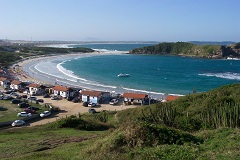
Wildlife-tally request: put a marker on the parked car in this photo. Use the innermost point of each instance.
(14, 94)
(70, 98)
(18, 123)
(92, 110)
(7, 92)
(25, 92)
(113, 101)
(16, 101)
(91, 104)
(24, 96)
(33, 108)
(32, 98)
(54, 109)
(45, 114)
(29, 110)
(46, 95)
(85, 104)
(5, 97)
(40, 100)
(24, 114)
(23, 105)
(75, 100)
(54, 98)
(13, 90)
(19, 97)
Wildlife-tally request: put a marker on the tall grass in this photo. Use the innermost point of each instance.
(225, 115)
(161, 114)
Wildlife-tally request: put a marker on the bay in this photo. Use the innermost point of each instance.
(154, 73)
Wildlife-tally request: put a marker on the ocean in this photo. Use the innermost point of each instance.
(151, 74)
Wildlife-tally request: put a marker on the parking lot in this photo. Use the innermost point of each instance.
(68, 108)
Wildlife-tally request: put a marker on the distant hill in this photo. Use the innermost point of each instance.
(223, 43)
(192, 50)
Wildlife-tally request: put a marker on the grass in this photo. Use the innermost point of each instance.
(128, 135)
(223, 143)
(42, 142)
(10, 110)
(34, 145)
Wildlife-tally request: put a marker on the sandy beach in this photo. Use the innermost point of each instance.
(67, 107)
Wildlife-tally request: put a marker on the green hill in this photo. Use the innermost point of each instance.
(190, 49)
(196, 126)
(12, 54)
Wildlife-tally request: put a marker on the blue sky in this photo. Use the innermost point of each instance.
(120, 20)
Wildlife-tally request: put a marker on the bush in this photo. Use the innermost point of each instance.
(145, 134)
(78, 123)
(188, 124)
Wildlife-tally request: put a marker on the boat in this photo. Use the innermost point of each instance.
(123, 75)
(231, 58)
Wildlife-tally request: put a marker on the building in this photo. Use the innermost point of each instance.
(95, 96)
(63, 91)
(15, 84)
(4, 82)
(171, 97)
(36, 89)
(135, 98)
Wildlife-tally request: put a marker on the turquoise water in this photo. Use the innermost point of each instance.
(154, 73)
(113, 46)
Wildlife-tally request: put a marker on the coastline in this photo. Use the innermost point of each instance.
(30, 74)
(67, 107)
(21, 70)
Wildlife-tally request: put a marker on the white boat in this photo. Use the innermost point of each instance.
(123, 75)
(230, 58)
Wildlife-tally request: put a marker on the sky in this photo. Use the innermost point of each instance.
(120, 20)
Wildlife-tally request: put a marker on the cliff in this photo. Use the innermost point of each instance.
(193, 50)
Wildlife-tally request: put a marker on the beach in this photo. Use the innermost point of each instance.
(67, 107)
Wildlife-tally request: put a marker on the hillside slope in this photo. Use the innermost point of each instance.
(173, 130)
(189, 49)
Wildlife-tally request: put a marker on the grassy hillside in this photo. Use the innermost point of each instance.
(221, 105)
(11, 54)
(190, 49)
(173, 130)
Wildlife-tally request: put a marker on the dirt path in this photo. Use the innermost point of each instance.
(69, 108)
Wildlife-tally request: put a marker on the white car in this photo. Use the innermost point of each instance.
(6, 97)
(14, 94)
(32, 98)
(24, 114)
(18, 123)
(54, 98)
(45, 114)
(92, 104)
(113, 101)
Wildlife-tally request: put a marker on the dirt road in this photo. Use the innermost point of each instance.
(68, 108)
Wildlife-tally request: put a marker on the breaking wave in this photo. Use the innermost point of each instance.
(226, 75)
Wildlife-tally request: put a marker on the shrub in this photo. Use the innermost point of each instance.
(145, 134)
(78, 123)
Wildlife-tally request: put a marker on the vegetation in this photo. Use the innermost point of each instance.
(196, 126)
(214, 109)
(11, 54)
(9, 113)
(80, 123)
(190, 49)
(7, 58)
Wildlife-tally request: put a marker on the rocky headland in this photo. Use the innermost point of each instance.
(191, 50)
